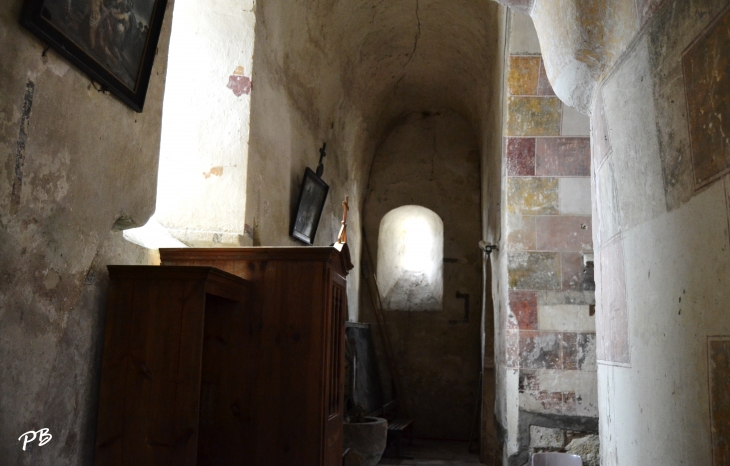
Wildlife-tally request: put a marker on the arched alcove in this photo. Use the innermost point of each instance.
(410, 259)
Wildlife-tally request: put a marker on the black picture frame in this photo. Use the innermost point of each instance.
(312, 196)
(113, 41)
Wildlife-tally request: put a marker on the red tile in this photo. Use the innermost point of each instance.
(520, 156)
(523, 305)
(551, 401)
(706, 67)
(563, 157)
(543, 83)
(564, 233)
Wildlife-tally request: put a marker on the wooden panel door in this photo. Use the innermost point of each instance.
(334, 369)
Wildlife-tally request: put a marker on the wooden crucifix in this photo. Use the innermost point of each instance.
(322, 155)
(341, 243)
(342, 237)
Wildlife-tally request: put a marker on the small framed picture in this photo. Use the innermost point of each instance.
(112, 41)
(312, 195)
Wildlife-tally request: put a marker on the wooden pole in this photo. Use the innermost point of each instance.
(383, 330)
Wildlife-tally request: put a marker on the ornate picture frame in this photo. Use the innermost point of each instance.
(113, 41)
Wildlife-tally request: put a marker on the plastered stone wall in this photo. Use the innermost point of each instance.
(297, 104)
(659, 174)
(75, 164)
(432, 160)
(546, 329)
(201, 192)
(660, 162)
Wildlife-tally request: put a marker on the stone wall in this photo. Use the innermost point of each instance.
(432, 160)
(76, 165)
(548, 361)
(660, 156)
(297, 106)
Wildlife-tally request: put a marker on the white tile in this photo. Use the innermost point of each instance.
(575, 123)
(575, 196)
(566, 318)
(523, 37)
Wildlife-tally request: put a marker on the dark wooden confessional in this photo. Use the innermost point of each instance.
(225, 357)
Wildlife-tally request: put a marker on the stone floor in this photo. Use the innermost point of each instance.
(435, 452)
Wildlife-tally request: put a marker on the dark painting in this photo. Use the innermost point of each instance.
(309, 208)
(113, 41)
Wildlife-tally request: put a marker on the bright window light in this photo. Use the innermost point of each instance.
(410, 259)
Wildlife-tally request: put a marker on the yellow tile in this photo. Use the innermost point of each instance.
(533, 116)
(523, 76)
(532, 196)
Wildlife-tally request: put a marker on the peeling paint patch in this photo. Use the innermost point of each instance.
(214, 171)
(719, 367)
(540, 350)
(239, 83)
(20, 146)
(706, 65)
(523, 305)
(52, 279)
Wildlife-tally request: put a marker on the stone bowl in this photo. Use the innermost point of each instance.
(366, 441)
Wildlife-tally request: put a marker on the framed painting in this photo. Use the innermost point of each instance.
(112, 41)
(312, 195)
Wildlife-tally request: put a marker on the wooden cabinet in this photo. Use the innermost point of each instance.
(295, 349)
(171, 393)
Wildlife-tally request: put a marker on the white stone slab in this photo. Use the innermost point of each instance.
(574, 123)
(565, 318)
(523, 37)
(575, 196)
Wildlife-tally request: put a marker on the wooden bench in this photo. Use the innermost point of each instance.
(397, 427)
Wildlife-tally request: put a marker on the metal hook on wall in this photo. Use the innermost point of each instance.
(488, 248)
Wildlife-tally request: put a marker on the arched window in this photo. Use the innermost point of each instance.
(410, 259)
